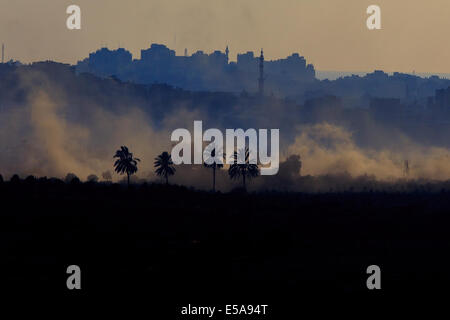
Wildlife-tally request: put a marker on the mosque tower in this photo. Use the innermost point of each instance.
(227, 52)
(261, 74)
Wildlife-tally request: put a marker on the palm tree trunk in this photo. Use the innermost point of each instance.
(167, 179)
(128, 179)
(214, 179)
(243, 180)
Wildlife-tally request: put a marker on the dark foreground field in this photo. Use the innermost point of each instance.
(184, 245)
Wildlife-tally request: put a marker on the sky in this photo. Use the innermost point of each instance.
(331, 34)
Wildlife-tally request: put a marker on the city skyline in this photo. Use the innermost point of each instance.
(329, 34)
(321, 74)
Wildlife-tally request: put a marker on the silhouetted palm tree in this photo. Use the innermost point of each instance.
(164, 166)
(125, 163)
(214, 166)
(244, 170)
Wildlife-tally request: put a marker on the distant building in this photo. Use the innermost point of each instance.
(386, 108)
(441, 101)
(156, 52)
(442, 98)
(202, 71)
(105, 62)
(377, 75)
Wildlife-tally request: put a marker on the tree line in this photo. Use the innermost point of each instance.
(127, 164)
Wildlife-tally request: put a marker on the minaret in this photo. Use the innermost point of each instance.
(406, 168)
(261, 74)
(227, 52)
(3, 53)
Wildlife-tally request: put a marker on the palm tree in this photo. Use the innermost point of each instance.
(164, 166)
(244, 170)
(214, 166)
(125, 163)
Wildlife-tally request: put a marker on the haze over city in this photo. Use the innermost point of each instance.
(330, 35)
(135, 147)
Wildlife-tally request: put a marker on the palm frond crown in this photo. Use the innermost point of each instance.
(246, 169)
(164, 165)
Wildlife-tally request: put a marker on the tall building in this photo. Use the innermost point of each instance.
(261, 74)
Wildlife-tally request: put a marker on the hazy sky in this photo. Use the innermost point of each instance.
(331, 34)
